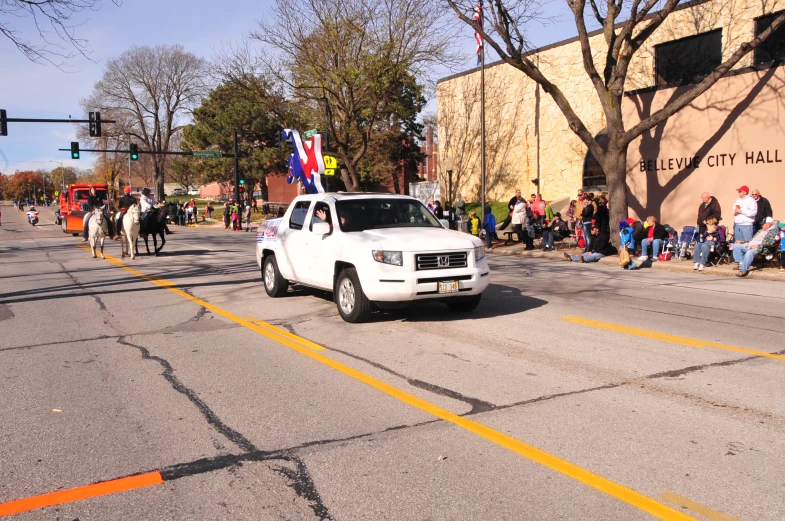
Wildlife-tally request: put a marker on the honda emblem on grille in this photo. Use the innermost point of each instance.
(444, 260)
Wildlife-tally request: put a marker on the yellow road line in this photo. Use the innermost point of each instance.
(606, 486)
(282, 332)
(694, 506)
(673, 339)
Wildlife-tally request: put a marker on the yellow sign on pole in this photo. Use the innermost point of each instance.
(329, 171)
(330, 163)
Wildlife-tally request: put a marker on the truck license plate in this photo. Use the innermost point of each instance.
(450, 286)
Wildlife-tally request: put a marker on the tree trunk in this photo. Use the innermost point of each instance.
(396, 184)
(615, 168)
(158, 180)
(263, 188)
(350, 180)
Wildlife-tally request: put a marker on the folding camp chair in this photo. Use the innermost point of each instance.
(685, 242)
(721, 251)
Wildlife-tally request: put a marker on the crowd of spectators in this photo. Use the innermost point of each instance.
(755, 233)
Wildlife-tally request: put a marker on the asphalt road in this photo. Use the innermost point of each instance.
(572, 393)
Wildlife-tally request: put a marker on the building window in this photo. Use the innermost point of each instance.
(688, 60)
(593, 174)
(773, 48)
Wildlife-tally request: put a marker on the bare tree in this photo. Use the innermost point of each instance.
(347, 60)
(459, 119)
(606, 63)
(55, 23)
(150, 91)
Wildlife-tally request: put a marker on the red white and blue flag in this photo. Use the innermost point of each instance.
(477, 36)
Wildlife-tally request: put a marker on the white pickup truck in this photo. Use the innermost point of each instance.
(370, 250)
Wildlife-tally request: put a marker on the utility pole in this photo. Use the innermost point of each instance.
(236, 169)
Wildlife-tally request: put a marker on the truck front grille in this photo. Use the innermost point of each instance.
(441, 261)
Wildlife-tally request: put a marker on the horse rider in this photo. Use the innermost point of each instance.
(126, 201)
(95, 201)
(146, 202)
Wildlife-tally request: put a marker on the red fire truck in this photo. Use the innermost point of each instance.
(73, 205)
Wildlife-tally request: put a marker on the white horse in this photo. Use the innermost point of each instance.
(97, 230)
(130, 232)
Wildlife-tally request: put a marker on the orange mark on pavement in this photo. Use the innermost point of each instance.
(76, 494)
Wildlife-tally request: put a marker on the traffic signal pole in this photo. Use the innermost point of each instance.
(236, 168)
(95, 122)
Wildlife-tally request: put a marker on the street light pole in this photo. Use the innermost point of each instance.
(449, 164)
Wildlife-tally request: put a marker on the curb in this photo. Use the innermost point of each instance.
(678, 266)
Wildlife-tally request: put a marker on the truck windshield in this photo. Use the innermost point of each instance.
(370, 214)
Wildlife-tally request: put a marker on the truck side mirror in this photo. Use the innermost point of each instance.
(320, 228)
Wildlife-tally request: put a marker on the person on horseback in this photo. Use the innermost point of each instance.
(126, 201)
(146, 202)
(95, 201)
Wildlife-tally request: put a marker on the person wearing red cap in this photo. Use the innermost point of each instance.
(744, 211)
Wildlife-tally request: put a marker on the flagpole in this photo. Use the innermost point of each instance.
(482, 130)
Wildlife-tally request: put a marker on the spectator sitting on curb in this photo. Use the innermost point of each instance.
(600, 247)
(555, 230)
(706, 241)
(745, 253)
(655, 235)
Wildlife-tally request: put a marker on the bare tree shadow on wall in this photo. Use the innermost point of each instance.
(651, 144)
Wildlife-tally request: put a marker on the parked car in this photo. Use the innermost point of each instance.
(370, 250)
(179, 191)
(194, 191)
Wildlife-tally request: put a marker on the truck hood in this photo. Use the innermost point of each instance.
(416, 239)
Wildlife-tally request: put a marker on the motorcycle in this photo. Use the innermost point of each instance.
(32, 217)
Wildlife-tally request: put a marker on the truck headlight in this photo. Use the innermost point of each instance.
(479, 253)
(388, 257)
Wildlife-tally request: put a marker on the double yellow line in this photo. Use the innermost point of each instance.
(664, 337)
(312, 350)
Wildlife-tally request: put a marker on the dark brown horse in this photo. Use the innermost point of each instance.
(154, 224)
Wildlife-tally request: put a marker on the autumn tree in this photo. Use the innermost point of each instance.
(346, 61)
(150, 91)
(55, 21)
(626, 27)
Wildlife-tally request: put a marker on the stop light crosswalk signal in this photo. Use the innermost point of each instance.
(74, 150)
(134, 152)
(3, 123)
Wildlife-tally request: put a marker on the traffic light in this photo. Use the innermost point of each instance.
(74, 149)
(134, 152)
(3, 123)
(242, 181)
(95, 124)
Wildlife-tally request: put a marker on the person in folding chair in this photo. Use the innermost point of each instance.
(707, 242)
(745, 253)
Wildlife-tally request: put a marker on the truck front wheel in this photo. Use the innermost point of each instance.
(353, 305)
(274, 284)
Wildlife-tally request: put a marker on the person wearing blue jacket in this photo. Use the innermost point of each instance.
(489, 225)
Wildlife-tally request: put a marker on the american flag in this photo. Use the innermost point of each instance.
(477, 36)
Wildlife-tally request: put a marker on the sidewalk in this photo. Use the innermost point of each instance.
(685, 266)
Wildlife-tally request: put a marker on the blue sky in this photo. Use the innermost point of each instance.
(42, 91)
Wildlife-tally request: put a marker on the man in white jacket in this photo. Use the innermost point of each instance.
(744, 210)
